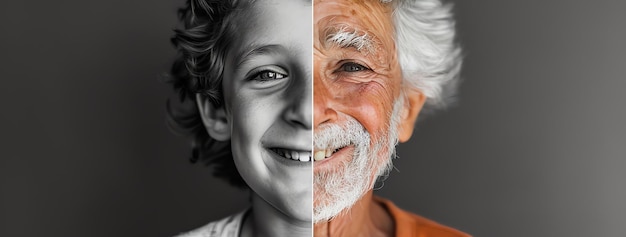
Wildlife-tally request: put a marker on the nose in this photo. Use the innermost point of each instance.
(298, 112)
(323, 111)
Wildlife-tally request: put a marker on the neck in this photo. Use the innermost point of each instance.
(265, 220)
(364, 218)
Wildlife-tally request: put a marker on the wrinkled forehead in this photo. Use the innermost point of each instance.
(362, 17)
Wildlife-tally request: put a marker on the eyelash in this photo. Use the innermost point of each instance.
(273, 75)
(352, 67)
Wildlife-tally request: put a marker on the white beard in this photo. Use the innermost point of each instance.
(336, 191)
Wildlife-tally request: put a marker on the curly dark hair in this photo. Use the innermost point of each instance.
(202, 43)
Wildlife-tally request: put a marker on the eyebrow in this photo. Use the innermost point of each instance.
(347, 37)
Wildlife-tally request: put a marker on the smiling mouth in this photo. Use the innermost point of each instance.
(322, 154)
(303, 156)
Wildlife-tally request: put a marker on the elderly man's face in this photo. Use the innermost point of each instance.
(360, 78)
(357, 83)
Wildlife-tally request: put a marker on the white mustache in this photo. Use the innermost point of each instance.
(333, 136)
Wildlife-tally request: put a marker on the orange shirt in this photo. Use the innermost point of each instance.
(411, 225)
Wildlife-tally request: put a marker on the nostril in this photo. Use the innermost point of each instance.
(297, 116)
(322, 116)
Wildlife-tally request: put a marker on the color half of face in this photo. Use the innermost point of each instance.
(356, 79)
(267, 92)
(353, 80)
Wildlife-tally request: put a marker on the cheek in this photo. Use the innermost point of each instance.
(372, 106)
(248, 124)
(250, 119)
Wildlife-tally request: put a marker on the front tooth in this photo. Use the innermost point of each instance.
(319, 155)
(295, 155)
(306, 154)
(329, 152)
(303, 158)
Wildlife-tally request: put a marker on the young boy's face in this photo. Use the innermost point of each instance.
(268, 99)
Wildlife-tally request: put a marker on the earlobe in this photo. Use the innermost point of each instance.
(414, 101)
(214, 119)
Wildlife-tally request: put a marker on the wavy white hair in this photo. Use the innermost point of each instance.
(428, 55)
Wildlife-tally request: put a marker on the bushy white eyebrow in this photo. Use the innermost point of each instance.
(345, 37)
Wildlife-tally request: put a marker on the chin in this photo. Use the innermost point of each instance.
(299, 208)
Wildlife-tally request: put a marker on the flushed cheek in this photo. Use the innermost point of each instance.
(371, 108)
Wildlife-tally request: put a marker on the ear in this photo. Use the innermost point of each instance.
(414, 101)
(214, 119)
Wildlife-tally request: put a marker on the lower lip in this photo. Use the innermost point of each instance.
(288, 162)
(327, 162)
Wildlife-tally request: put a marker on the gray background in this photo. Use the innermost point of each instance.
(535, 147)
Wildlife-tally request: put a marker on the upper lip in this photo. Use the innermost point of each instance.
(293, 147)
(292, 152)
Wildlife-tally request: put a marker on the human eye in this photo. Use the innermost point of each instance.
(351, 67)
(267, 74)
